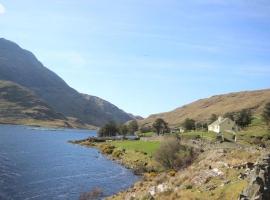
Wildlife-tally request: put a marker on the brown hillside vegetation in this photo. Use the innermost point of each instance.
(18, 105)
(202, 109)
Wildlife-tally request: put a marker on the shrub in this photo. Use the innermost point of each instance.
(117, 153)
(173, 155)
(172, 173)
(107, 148)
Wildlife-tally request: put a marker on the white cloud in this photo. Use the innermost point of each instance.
(2, 9)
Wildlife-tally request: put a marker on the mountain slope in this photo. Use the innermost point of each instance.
(18, 105)
(202, 109)
(22, 67)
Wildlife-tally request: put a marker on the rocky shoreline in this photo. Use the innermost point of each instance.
(219, 170)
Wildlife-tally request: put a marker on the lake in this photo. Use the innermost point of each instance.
(41, 164)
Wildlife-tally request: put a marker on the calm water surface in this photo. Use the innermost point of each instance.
(40, 164)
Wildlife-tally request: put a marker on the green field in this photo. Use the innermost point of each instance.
(148, 147)
(199, 134)
(147, 134)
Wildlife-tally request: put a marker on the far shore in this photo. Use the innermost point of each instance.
(57, 124)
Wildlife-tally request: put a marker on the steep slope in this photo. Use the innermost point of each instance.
(18, 105)
(202, 109)
(22, 67)
(103, 110)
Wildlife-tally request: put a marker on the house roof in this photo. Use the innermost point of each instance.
(219, 121)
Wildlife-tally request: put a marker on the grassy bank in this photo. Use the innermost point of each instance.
(135, 155)
(148, 147)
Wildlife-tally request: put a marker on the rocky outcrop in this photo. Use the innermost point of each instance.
(259, 183)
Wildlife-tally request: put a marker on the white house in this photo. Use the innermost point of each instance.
(177, 130)
(223, 124)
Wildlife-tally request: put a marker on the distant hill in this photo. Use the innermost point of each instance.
(202, 109)
(137, 117)
(18, 105)
(22, 67)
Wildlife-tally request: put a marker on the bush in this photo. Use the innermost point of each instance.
(117, 153)
(107, 148)
(173, 155)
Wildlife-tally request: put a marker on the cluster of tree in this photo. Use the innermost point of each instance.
(112, 129)
(189, 124)
(213, 118)
(201, 126)
(242, 118)
(173, 155)
(160, 126)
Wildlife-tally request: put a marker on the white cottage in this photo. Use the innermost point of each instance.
(223, 124)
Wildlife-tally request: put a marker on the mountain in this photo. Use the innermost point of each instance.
(137, 117)
(22, 67)
(202, 109)
(18, 105)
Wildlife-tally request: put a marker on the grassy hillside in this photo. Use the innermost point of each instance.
(22, 67)
(202, 109)
(18, 105)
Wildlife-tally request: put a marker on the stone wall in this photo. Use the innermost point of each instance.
(259, 181)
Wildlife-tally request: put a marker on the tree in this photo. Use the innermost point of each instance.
(189, 124)
(243, 118)
(213, 118)
(108, 130)
(266, 114)
(133, 126)
(160, 126)
(230, 115)
(123, 129)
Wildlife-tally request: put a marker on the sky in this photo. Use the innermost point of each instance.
(146, 56)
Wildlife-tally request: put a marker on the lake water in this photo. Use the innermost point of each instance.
(41, 164)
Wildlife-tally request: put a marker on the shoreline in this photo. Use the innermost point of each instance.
(138, 162)
(49, 124)
(222, 169)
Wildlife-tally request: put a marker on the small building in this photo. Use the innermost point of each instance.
(177, 130)
(222, 125)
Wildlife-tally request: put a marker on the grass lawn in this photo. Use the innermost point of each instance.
(148, 147)
(201, 134)
(257, 128)
(147, 134)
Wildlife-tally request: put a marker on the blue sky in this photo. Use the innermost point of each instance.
(146, 56)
